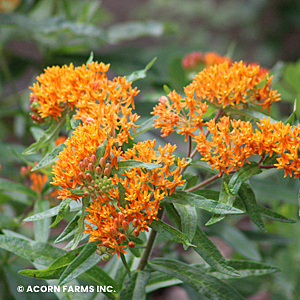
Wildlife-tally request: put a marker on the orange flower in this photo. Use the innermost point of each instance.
(233, 142)
(195, 59)
(114, 225)
(231, 85)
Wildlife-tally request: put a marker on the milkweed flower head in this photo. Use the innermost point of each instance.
(113, 226)
(233, 142)
(82, 88)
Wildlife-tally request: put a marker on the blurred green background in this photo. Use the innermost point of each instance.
(128, 35)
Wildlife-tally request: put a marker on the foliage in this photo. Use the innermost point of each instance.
(99, 188)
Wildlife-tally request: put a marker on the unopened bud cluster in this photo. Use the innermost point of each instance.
(118, 232)
(95, 177)
(34, 108)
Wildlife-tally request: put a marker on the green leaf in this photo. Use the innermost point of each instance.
(74, 206)
(293, 116)
(160, 280)
(252, 113)
(273, 215)
(135, 286)
(188, 217)
(100, 151)
(50, 158)
(133, 30)
(224, 197)
(6, 185)
(242, 175)
(248, 197)
(122, 192)
(90, 59)
(41, 227)
(83, 262)
(131, 163)
(49, 136)
(141, 73)
(246, 268)
(238, 241)
(69, 230)
(170, 232)
(36, 252)
(36, 132)
(55, 270)
(198, 279)
(210, 253)
(64, 209)
(148, 124)
(79, 232)
(193, 199)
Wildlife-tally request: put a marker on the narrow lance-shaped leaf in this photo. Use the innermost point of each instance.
(64, 209)
(50, 158)
(246, 268)
(170, 232)
(135, 286)
(188, 217)
(100, 151)
(131, 163)
(79, 231)
(224, 197)
(148, 124)
(273, 215)
(193, 199)
(86, 259)
(90, 59)
(248, 197)
(160, 280)
(6, 185)
(242, 175)
(74, 206)
(141, 73)
(41, 227)
(49, 136)
(69, 230)
(204, 246)
(198, 279)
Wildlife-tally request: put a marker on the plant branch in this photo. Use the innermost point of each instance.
(150, 243)
(204, 183)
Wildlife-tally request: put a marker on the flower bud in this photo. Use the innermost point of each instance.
(33, 98)
(125, 225)
(89, 176)
(98, 170)
(113, 231)
(121, 217)
(117, 222)
(93, 159)
(107, 172)
(122, 237)
(81, 176)
(134, 222)
(23, 171)
(131, 244)
(81, 166)
(135, 233)
(106, 257)
(86, 161)
(102, 162)
(91, 167)
(106, 244)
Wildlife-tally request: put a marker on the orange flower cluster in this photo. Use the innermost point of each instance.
(115, 225)
(85, 88)
(221, 85)
(194, 59)
(230, 85)
(181, 114)
(234, 141)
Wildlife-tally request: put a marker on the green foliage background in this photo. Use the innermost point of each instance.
(128, 34)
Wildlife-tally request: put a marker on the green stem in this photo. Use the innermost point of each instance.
(149, 247)
(203, 183)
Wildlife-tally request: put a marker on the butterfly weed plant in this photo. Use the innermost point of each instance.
(119, 192)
